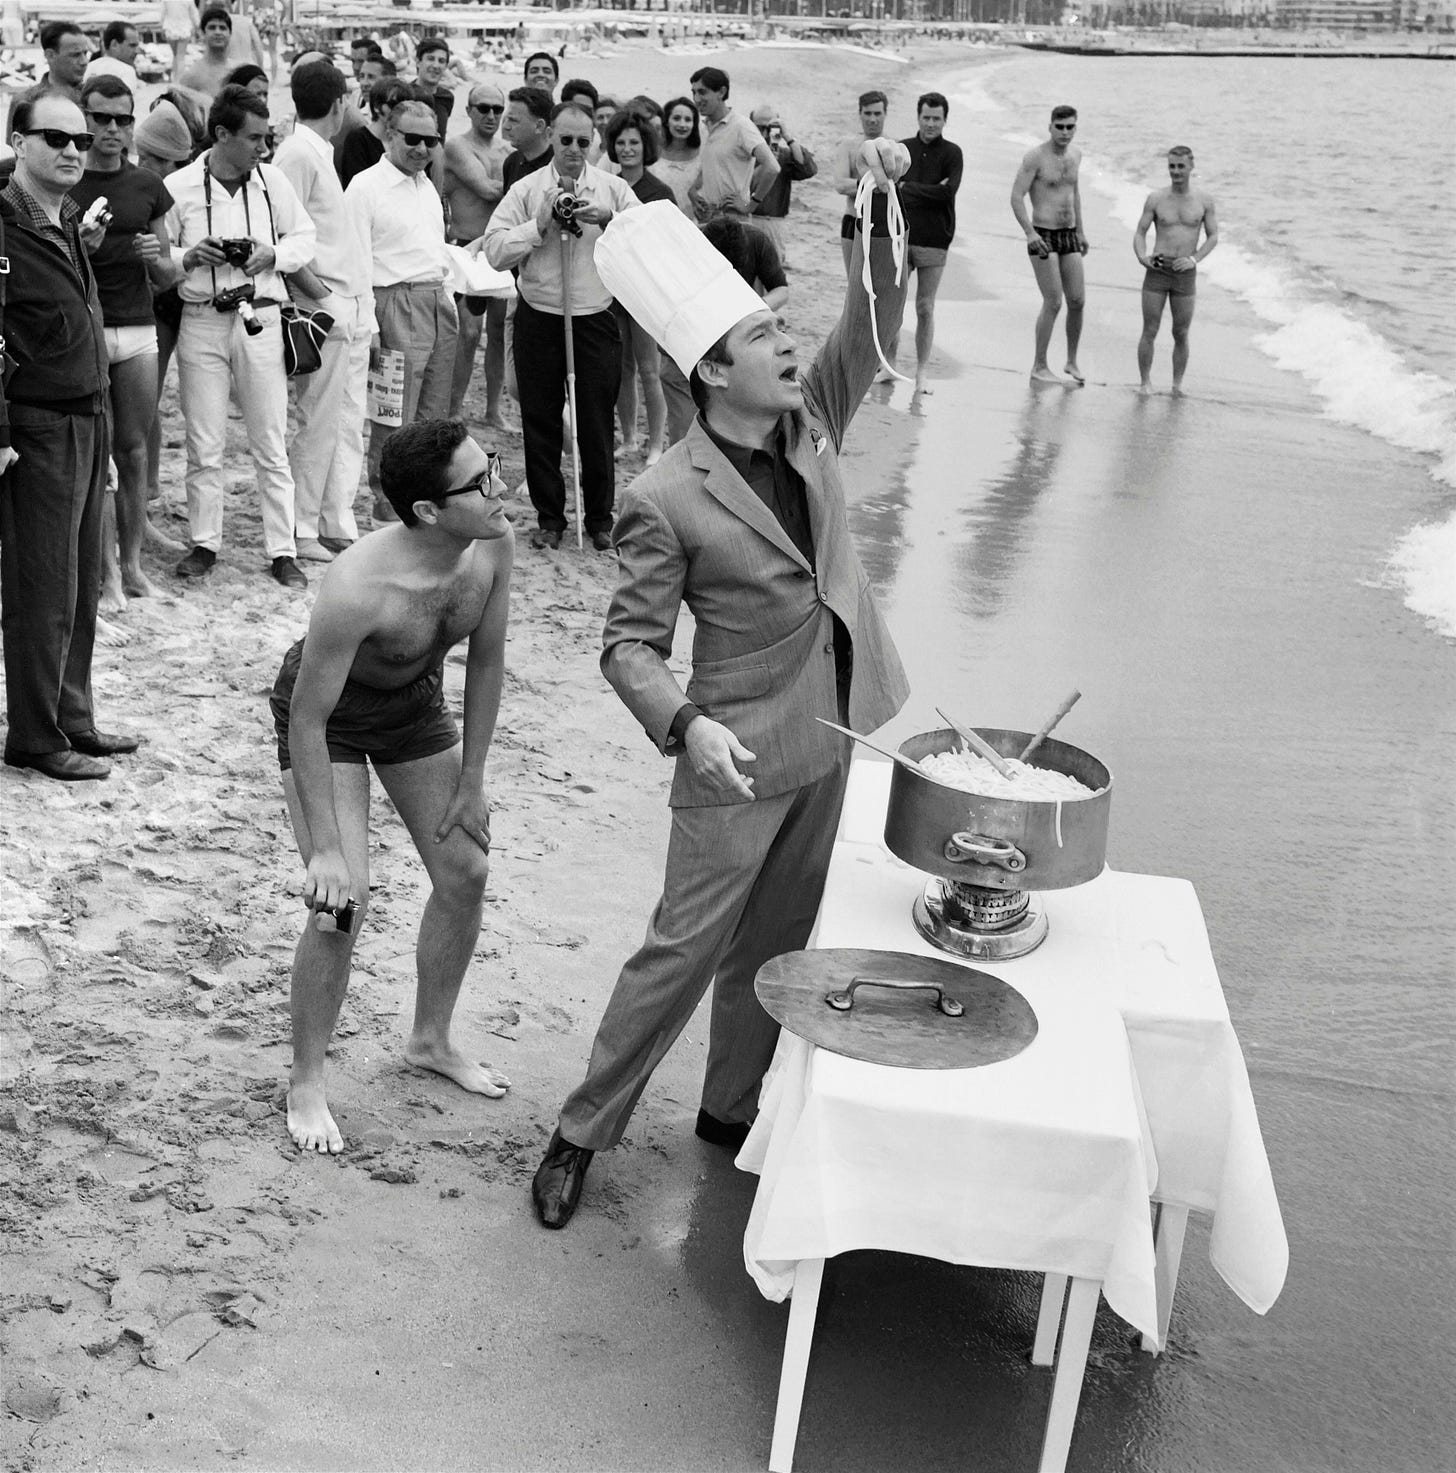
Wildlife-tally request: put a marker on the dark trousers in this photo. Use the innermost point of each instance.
(50, 574)
(540, 355)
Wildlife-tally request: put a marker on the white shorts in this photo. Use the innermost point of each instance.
(124, 343)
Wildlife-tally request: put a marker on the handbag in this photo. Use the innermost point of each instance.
(303, 338)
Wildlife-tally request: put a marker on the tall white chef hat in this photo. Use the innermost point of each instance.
(660, 268)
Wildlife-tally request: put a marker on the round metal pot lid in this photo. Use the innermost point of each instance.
(889, 1007)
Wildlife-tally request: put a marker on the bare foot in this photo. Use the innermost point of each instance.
(1145, 388)
(111, 635)
(496, 422)
(309, 1121)
(450, 1062)
(1177, 391)
(113, 600)
(138, 585)
(922, 384)
(157, 538)
(1074, 373)
(1044, 375)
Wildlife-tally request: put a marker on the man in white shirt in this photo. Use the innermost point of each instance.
(399, 221)
(473, 188)
(525, 232)
(237, 228)
(327, 452)
(120, 42)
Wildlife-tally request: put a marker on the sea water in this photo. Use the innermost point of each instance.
(1334, 182)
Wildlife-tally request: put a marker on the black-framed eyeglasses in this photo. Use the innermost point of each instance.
(487, 107)
(567, 141)
(481, 485)
(413, 140)
(58, 138)
(100, 120)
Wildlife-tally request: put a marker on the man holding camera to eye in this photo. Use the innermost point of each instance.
(548, 226)
(237, 229)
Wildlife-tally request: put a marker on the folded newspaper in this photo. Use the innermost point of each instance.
(474, 276)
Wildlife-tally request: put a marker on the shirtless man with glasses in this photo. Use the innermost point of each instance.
(365, 685)
(1055, 241)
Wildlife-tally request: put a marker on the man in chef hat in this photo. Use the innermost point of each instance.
(743, 520)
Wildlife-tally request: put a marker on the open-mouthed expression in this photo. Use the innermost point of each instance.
(539, 74)
(764, 375)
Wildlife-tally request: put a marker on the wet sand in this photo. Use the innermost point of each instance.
(182, 1290)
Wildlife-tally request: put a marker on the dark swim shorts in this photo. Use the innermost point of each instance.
(1171, 283)
(1058, 242)
(379, 726)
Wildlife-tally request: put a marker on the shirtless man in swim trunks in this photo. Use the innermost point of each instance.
(1181, 213)
(366, 685)
(1054, 238)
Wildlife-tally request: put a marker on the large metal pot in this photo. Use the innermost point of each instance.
(999, 843)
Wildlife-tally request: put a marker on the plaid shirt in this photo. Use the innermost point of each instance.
(67, 234)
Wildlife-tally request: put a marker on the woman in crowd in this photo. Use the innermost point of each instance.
(677, 164)
(632, 146)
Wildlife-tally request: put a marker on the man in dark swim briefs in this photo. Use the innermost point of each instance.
(366, 684)
(1054, 238)
(1181, 214)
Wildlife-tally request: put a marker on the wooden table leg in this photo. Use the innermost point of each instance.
(1067, 1385)
(1167, 1257)
(1049, 1319)
(803, 1308)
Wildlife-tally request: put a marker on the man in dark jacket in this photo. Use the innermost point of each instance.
(796, 162)
(55, 475)
(928, 194)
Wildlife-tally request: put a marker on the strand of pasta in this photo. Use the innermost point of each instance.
(899, 238)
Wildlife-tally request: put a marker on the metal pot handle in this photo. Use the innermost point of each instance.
(843, 1001)
(984, 849)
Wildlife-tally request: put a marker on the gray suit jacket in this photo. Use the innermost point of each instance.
(692, 531)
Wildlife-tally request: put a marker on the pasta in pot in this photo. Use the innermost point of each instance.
(973, 774)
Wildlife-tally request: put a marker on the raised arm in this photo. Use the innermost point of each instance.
(765, 168)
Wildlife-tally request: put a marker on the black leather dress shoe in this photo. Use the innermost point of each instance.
(65, 767)
(288, 573)
(542, 537)
(730, 1133)
(602, 541)
(103, 743)
(556, 1187)
(197, 564)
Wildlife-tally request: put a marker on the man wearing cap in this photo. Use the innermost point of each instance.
(744, 521)
(556, 275)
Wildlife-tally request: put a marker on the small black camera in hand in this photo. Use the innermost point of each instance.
(239, 299)
(237, 251)
(564, 208)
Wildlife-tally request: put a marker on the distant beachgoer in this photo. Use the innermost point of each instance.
(541, 70)
(209, 72)
(120, 42)
(179, 22)
(1181, 214)
(847, 167)
(796, 163)
(366, 685)
(1055, 240)
(432, 62)
(67, 51)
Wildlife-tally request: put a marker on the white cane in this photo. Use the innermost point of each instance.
(571, 378)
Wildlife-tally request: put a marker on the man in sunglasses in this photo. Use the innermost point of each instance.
(527, 231)
(53, 452)
(399, 222)
(366, 684)
(474, 184)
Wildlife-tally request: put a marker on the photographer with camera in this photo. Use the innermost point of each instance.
(548, 226)
(237, 228)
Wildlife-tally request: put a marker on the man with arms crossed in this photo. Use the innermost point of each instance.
(474, 184)
(1181, 214)
(1054, 237)
(744, 521)
(366, 685)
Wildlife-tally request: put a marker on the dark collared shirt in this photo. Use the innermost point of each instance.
(66, 234)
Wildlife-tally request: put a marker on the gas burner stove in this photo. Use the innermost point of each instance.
(974, 921)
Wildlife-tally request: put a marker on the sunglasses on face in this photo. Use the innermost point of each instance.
(100, 120)
(566, 141)
(58, 138)
(487, 107)
(482, 483)
(413, 140)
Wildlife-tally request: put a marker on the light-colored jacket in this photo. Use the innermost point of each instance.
(692, 531)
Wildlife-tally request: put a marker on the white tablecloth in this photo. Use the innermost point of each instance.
(1138, 943)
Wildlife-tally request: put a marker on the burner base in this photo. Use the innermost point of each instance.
(929, 915)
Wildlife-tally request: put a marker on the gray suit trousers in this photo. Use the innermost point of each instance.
(743, 885)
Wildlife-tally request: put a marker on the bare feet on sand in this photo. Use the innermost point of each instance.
(1075, 374)
(922, 384)
(112, 635)
(496, 422)
(309, 1121)
(1145, 388)
(1177, 390)
(137, 585)
(449, 1061)
(113, 600)
(157, 538)
(1044, 375)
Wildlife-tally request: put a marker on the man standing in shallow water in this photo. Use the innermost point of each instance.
(1054, 237)
(366, 685)
(1181, 213)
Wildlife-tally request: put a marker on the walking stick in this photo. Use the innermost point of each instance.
(571, 378)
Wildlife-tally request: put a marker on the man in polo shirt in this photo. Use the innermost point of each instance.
(736, 166)
(432, 61)
(399, 222)
(227, 196)
(524, 233)
(328, 442)
(53, 450)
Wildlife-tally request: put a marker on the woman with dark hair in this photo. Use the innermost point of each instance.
(677, 163)
(251, 76)
(632, 146)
